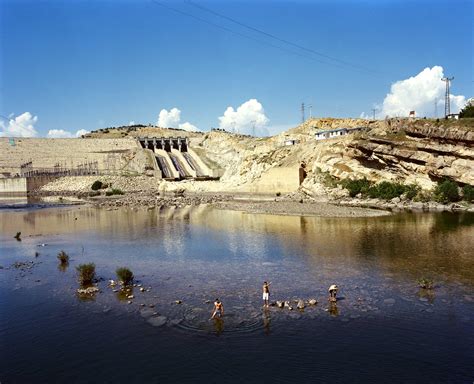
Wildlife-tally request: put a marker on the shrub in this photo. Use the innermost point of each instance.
(63, 257)
(386, 190)
(446, 192)
(114, 191)
(356, 186)
(468, 193)
(86, 273)
(125, 275)
(96, 185)
(425, 283)
(411, 191)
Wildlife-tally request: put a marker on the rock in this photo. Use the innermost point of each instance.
(313, 302)
(147, 312)
(130, 297)
(178, 302)
(88, 291)
(157, 321)
(129, 302)
(142, 289)
(112, 283)
(395, 200)
(300, 304)
(280, 304)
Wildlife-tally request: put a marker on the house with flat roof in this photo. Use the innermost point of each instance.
(331, 133)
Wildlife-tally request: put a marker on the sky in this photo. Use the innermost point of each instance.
(68, 67)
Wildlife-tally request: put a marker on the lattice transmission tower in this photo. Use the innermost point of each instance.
(447, 104)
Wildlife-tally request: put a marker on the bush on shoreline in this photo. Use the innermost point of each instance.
(86, 273)
(125, 275)
(114, 191)
(63, 257)
(468, 193)
(96, 185)
(447, 191)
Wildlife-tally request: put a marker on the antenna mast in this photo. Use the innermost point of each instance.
(447, 105)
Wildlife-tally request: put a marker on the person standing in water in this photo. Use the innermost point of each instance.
(218, 309)
(266, 293)
(333, 293)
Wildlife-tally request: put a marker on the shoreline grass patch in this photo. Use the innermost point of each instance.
(86, 273)
(63, 257)
(125, 275)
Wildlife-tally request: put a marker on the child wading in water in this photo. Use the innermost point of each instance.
(266, 293)
(218, 309)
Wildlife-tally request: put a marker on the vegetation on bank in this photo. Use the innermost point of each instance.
(86, 273)
(114, 191)
(446, 191)
(125, 275)
(63, 257)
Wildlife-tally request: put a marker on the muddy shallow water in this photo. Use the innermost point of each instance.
(383, 326)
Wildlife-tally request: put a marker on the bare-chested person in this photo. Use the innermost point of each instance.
(266, 293)
(218, 309)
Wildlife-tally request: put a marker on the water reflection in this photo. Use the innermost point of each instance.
(218, 325)
(333, 309)
(266, 320)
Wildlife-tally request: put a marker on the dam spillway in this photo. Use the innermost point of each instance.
(175, 159)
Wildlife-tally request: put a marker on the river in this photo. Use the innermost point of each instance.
(383, 326)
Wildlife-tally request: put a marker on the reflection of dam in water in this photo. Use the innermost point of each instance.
(175, 159)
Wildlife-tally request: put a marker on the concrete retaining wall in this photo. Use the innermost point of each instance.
(23, 185)
(14, 185)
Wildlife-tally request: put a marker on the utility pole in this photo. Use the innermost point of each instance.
(436, 107)
(302, 113)
(253, 127)
(447, 105)
(310, 110)
(373, 111)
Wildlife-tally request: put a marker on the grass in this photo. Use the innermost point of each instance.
(86, 273)
(468, 193)
(425, 283)
(125, 275)
(63, 257)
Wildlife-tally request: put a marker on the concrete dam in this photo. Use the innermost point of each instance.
(175, 159)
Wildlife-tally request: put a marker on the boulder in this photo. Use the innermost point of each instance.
(312, 302)
(300, 304)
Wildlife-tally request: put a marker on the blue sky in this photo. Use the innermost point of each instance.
(91, 64)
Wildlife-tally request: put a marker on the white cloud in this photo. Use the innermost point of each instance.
(81, 132)
(172, 118)
(62, 134)
(59, 134)
(420, 93)
(131, 123)
(20, 126)
(187, 126)
(243, 120)
(169, 119)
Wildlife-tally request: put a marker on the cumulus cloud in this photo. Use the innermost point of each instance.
(245, 118)
(21, 126)
(169, 119)
(420, 93)
(188, 127)
(172, 118)
(81, 132)
(59, 134)
(62, 134)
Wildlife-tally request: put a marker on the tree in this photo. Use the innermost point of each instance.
(467, 111)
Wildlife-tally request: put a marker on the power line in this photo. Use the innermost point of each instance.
(243, 35)
(279, 38)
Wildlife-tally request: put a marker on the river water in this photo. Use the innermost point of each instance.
(383, 327)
